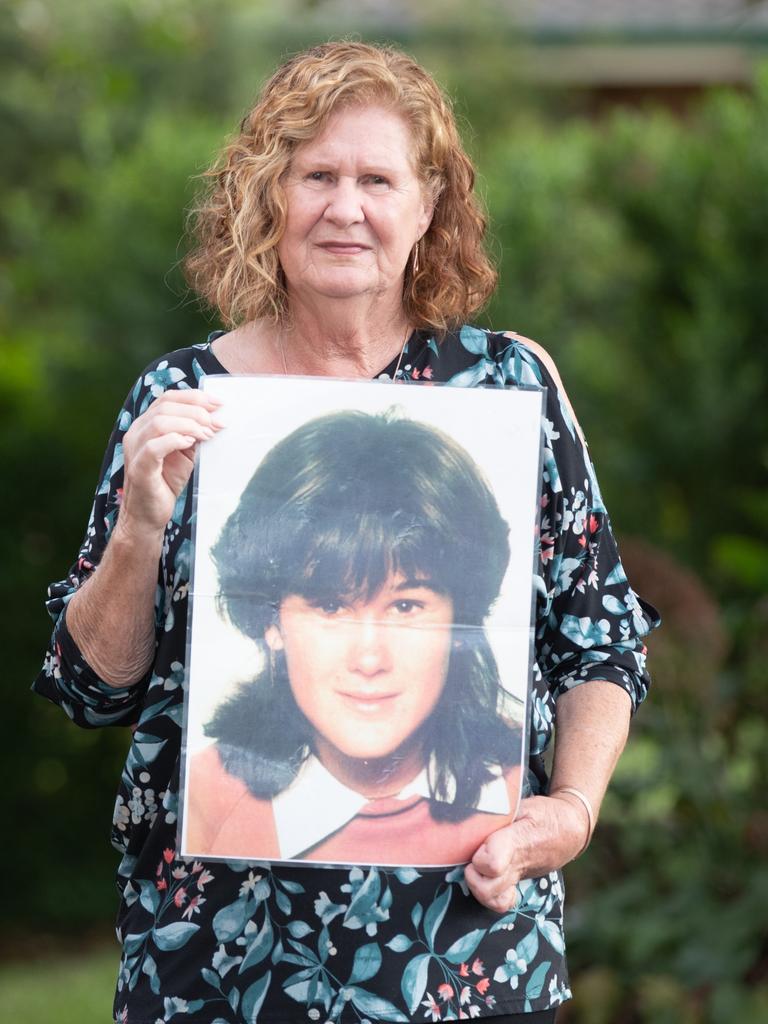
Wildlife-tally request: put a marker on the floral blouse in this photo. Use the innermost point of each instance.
(228, 942)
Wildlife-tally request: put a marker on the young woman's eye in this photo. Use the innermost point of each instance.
(406, 606)
(329, 606)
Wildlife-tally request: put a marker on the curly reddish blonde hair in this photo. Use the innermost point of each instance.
(240, 218)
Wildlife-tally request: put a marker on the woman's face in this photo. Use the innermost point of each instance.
(366, 674)
(355, 208)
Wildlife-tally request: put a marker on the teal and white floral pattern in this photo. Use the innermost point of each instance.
(228, 943)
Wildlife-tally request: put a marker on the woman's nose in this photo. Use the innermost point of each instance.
(369, 649)
(345, 203)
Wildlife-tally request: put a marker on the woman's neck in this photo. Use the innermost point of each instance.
(328, 340)
(376, 777)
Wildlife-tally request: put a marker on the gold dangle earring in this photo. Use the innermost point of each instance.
(415, 259)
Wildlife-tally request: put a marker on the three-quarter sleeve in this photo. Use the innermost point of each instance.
(590, 623)
(66, 677)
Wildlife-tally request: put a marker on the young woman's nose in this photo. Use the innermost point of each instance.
(369, 646)
(345, 203)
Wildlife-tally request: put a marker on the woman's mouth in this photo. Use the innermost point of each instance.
(343, 248)
(368, 703)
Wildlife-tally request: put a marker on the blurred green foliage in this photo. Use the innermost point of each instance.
(635, 249)
(80, 987)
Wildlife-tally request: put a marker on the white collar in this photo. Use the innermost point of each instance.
(316, 804)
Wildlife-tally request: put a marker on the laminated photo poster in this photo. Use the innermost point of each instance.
(360, 641)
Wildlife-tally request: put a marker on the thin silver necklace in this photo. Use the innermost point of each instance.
(394, 375)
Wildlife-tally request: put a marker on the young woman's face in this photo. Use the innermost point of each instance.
(367, 674)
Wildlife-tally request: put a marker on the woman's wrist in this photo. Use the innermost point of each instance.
(576, 798)
(111, 617)
(130, 531)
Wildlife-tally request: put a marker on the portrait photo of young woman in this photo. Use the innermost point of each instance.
(377, 730)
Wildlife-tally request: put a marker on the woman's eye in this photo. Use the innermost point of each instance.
(318, 176)
(407, 607)
(377, 180)
(331, 606)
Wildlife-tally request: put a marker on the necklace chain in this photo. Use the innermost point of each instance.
(394, 375)
(402, 351)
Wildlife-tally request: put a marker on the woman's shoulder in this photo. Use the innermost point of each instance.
(532, 352)
(472, 356)
(535, 349)
(497, 345)
(537, 352)
(182, 367)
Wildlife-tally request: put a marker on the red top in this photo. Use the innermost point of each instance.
(224, 819)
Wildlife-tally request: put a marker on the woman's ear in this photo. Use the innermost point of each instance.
(274, 638)
(428, 210)
(429, 197)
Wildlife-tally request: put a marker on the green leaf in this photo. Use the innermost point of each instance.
(365, 897)
(416, 914)
(528, 947)
(150, 896)
(414, 981)
(253, 997)
(230, 920)
(474, 340)
(148, 751)
(302, 950)
(406, 875)
(298, 929)
(283, 901)
(501, 924)
(149, 967)
(132, 942)
(260, 948)
(174, 936)
(212, 977)
(434, 916)
(290, 886)
(613, 605)
(374, 1006)
(553, 934)
(463, 948)
(366, 963)
(299, 990)
(536, 980)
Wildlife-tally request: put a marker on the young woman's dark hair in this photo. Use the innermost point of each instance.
(334, 510)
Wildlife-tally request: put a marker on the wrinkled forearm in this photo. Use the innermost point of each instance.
(111, 617)
(591, 732)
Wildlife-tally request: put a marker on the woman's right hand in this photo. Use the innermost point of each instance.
(159, 453)
(111, 617)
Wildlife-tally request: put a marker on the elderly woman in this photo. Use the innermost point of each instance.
(340, 237)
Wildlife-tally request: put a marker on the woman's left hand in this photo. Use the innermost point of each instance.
(548, 832)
